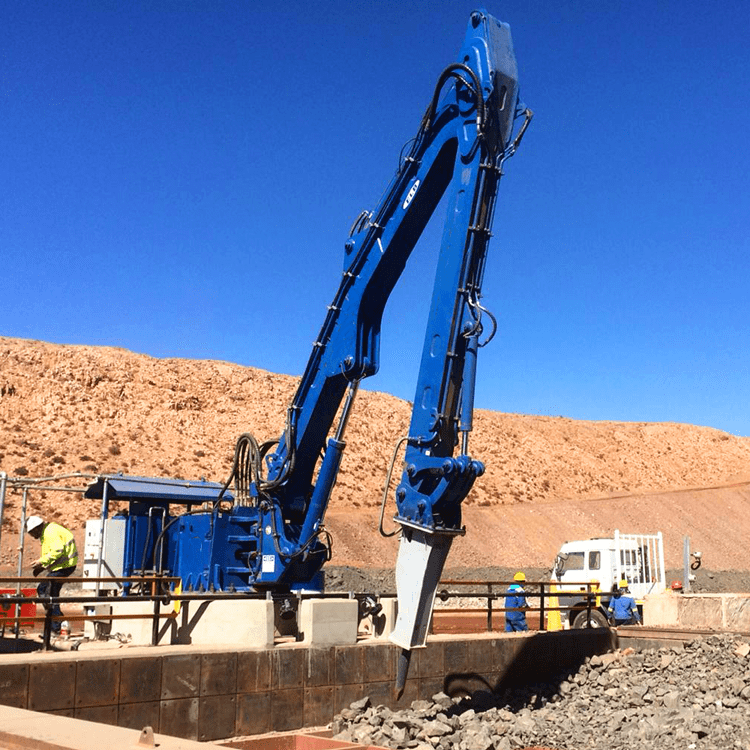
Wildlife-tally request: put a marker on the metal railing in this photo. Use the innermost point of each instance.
(159, 593)
(161, 590)
(494, 591)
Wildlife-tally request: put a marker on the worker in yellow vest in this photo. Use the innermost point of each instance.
(59, 558)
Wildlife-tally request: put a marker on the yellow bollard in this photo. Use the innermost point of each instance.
(178, 602)
(554, 621)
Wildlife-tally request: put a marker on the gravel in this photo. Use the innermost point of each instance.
(691, 695)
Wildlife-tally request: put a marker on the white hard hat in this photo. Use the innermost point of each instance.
(32, 522)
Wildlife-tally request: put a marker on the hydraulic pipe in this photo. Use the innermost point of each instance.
(347, 409)
(466, 423)
(329, 469)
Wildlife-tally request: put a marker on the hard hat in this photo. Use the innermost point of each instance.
(623, 583)
(520, 576)
(32, 522)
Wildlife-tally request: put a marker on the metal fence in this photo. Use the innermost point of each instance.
(492, 592)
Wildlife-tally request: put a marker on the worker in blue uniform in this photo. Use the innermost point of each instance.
(622, 608)
(516, 605)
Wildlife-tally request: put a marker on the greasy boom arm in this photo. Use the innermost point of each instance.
(464, 137)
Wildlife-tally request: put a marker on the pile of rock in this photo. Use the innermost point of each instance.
(692, 695)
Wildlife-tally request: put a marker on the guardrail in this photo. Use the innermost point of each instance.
(162, 590)
(492, 591)
(159, 586)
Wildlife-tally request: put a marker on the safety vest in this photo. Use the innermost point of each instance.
(58, 548)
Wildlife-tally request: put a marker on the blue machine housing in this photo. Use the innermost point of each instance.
(210, 548)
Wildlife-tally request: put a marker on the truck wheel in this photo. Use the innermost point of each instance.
(595, 620)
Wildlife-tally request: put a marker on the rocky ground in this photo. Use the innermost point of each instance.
(695, 695)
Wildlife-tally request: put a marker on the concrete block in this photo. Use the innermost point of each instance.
(701, 611)
(328, 621)
(138, 629)
(390, 613)
(94, 629)
(736, 611)
(661, 610)
(379, 627)
(245, 622)
(716, 611)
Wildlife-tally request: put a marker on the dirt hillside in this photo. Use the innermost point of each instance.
(89, 409)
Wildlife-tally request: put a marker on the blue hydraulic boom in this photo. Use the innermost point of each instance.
(465, 136)
(265, 529)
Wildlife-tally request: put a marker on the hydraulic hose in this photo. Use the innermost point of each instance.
(454, 71)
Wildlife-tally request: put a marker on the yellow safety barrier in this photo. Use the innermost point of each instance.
(554, 621)
(178, 602)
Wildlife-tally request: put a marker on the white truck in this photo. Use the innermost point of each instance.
(597, 565)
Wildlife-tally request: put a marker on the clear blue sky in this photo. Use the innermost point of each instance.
(179, 179)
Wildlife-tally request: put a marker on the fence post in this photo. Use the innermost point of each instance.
(542, 624)
(47, 627)
(490, 599)
(155, 624)
(3, 484)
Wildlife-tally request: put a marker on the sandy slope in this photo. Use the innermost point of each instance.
(95, 409)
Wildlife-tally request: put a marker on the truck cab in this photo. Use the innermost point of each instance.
(597, 565)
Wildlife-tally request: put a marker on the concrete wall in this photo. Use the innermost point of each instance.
(730, 612)
(208, 694)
